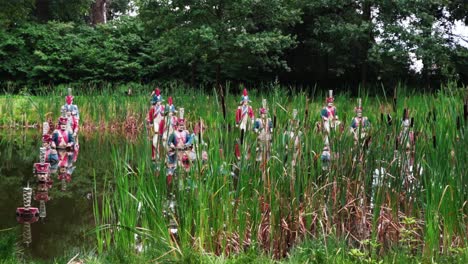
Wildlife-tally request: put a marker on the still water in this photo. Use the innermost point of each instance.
(66, 223)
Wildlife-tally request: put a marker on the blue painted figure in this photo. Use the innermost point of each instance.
(329, 114)
(179, 148)
(359, 124)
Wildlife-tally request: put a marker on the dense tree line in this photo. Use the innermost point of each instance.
(329, 42)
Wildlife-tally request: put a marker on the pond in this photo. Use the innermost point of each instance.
(67, 222)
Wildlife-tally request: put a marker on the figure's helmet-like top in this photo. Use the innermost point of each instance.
(63, 120)
(69, 97)
(245, 96)
(46, 138)
(157, 96)
(181, 120)
(330, 98)
(41, 168)
(358, 109)
(171, 105)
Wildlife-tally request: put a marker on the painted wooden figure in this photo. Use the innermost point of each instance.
(62, 138)
(360, 124)
(179, 148)
(171, 119)
(292, 138)
(156, 119)
(70, 107)
(263, 126)
(244, 113)
(329, 114)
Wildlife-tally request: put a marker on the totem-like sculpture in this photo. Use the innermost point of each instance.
(62, 138)
(244, 113)
(179, 148)
(263, 126)
(27, 215)
(359, 124)
(329, 114)
(156, 119)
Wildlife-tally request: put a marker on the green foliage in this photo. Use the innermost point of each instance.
(7, 245)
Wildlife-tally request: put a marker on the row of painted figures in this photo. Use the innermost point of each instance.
(57, 155)
(169, 131)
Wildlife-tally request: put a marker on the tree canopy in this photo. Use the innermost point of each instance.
(330, 42)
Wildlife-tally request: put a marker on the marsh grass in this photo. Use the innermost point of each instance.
(271, 209)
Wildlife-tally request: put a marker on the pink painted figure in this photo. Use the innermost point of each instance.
(171, 119)
(156, 119)
(264, 128)
(70, 107)
(61, 137)
(244, 113)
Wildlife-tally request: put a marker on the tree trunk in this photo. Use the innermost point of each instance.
(194, 72)
(366, 13)
(42, 10)
(99, 12)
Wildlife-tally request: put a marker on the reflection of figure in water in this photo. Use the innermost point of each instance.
(66, 166)
(42, 173)
(27, 215)
(62, 138)
(179, 144)
(264, 128)
(156, 120)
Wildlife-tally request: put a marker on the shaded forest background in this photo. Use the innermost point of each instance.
(330, 43)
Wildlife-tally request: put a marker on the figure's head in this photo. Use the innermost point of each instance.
(406, 123)
(263, 112)
(245, 98)
(62, 170)
(358, 111)
(69, 99)
(46, 139)
(63, 123)
(181, 124)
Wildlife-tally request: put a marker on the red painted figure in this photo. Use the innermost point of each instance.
(244, 113)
